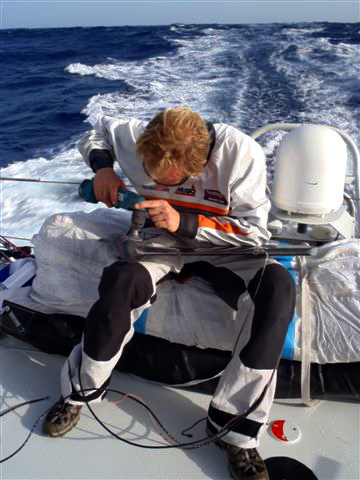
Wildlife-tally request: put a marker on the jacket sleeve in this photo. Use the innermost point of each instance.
(110, 139)
(96, 147)
(247, 220)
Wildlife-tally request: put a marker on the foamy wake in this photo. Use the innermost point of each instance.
(193, 77)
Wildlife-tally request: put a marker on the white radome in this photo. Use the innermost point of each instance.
(310, 171)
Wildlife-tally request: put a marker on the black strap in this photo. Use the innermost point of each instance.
(212, 134)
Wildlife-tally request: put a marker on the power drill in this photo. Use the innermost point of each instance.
(125, 199)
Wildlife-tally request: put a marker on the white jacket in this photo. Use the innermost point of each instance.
(227, 204)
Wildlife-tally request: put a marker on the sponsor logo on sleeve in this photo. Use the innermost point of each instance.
(187, 191)
(215, 196)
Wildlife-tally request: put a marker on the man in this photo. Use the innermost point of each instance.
(204, 185)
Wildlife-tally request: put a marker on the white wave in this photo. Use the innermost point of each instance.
(300, 31)
(195, 76)
(346, 53)
(273, 140)
(209, 30)
(100, 71)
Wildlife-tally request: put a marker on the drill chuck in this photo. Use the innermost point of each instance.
(137, 222)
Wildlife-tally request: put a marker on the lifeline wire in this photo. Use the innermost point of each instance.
(37, 180)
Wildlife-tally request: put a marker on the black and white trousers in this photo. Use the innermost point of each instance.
(126, 289)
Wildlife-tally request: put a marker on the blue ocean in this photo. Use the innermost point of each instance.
(56, 81)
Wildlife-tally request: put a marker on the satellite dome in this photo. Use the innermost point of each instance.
(310, 171)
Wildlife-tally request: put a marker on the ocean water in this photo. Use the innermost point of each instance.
(56, 81)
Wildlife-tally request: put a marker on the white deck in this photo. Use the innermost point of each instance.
(329, 445)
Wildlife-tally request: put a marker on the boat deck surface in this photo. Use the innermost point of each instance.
(329, 443)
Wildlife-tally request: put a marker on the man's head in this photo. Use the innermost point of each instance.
(174, 146)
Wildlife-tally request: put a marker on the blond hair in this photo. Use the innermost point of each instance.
(176, 137)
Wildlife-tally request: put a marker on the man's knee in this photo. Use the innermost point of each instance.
(273, 293)
(275, 280)
(123, 288)
(280, 282)
(123, 276)
(274, 288)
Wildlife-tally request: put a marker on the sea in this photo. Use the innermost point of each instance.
(55, 82)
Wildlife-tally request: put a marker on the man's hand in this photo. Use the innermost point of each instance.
(106, 184)
(162, 214)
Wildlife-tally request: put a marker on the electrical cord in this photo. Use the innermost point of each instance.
(233, 423)
(11, 409)
(2, 460)
(184, 445)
